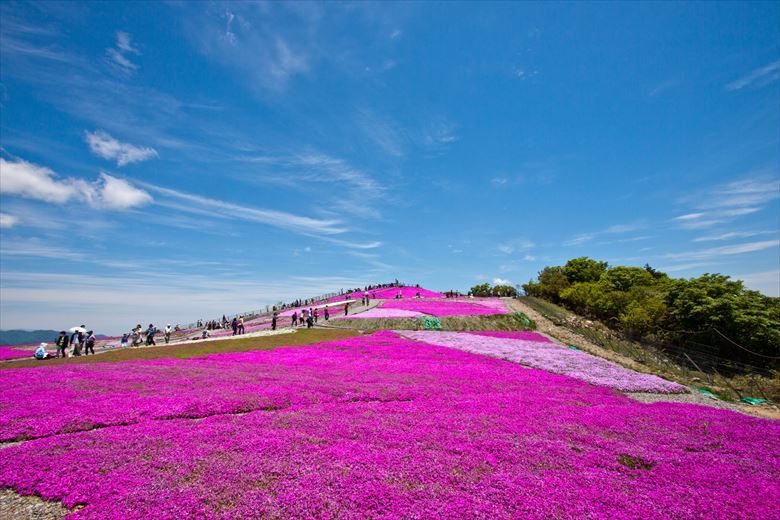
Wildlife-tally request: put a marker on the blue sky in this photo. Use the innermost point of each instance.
(165, 162)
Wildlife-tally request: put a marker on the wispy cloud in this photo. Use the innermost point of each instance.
(120, 52)
(383, 132)
(105, 146)
(502, 281)
(246, 39)
(736, 249)
(8, 221)
(732, 234)
(280, 219)
(516, 245)
(358, 189)
(758, 77)
(583, 238)
(725, 202)
(32, 181)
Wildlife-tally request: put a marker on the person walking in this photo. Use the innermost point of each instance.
(316, 315)
(295, 319)
(89, 343)
(326, 314)
(62, 344)
(346, 309)
(273, 322)
(168, 331)
(125, 339)
(241, 325)
(234, 326)
(309, 321)
(150, 332)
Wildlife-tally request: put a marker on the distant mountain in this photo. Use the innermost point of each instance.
(23, 337)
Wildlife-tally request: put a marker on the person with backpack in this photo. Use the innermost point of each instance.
(89, 343)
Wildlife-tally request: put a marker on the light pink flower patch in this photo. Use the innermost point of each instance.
(553, 358)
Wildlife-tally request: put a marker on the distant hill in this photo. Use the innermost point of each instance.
(23, 337)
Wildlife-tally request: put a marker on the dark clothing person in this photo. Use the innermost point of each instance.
(89, 344)
(62, 344)
(150, 332)
(294, 319)
(346, 309)
(309, 322)
(327, 314)
(234, 326)
(273, 322)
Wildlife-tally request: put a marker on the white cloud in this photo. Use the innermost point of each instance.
(501, 281)
(512, 246)
(395, 34)
(736, 249)
(214, 207)
(8, 221)
(767, 282)
(613, 229)
(117, 193)
(733, 234)
(761, 76)
(118, 54)
(105, 146)
(123, 43)
(32, 181)
(723, 203)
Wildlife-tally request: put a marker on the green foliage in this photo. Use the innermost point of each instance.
(504, 290)
(484, 289)
(710, 310)
(583, 270)
(552, 281)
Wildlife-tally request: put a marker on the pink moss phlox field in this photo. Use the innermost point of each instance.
(387, 293)
(379, 312)
(386, 427)
(14, 352)
(442, 307)
(553, 358)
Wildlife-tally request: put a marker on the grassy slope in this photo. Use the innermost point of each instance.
(191, 350)
(493, 322)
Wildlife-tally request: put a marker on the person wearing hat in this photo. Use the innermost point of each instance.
(41, 352)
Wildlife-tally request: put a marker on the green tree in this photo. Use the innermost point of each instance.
(584, 269)
(482, 289)
(504, 290)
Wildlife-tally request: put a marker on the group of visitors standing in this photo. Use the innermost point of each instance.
(308, 317)
(79, 341)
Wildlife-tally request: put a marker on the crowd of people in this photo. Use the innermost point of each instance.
(79, 341)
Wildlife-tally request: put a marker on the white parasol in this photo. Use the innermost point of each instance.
(76, 329)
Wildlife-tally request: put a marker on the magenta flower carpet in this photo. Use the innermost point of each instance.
(373, 426)
(445, 307)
